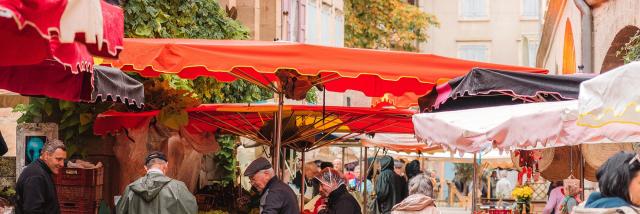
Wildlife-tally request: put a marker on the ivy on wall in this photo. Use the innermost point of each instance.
(75, 120)
(631, 50)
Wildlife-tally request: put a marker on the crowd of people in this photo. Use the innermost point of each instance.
(399, 187)
(396, 191)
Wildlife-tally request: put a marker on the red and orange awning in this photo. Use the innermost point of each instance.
(374, 72)
(302, 123)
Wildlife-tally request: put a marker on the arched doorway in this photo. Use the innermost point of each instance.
(612, 60)
(569, 51)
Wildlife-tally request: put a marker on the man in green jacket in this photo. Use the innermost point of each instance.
(156, 193)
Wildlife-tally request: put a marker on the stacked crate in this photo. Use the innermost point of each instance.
(79, 190)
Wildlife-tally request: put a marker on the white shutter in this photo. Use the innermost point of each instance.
(466, 8)
(326, 23)
(533, 52)
(531, 8)
(339, 29)
(481, 8)
(312, 24)
(302, 16)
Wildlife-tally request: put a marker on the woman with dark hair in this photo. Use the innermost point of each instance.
(619, 183)
(412, 169)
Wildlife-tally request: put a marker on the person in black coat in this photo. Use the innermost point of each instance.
(390, 187)
(276, 197)
(35, 190)
(334, 188)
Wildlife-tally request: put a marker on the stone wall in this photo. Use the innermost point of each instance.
(609, 18)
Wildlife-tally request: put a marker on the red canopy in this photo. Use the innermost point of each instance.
(302, 122)
(373, 72)
(66, 31)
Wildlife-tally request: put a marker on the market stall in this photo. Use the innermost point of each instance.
(307, 127)
(483, 111)
(291, 69)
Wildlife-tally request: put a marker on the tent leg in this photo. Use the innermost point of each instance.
(475, 184)
(582, 174)
(303, 185)
(343, 163)
(363, 175)
(278, 135)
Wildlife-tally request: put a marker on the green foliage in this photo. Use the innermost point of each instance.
(173, 101)
(226, 158)
(378, 24)
(631, 51)
(240, 91)
(75, 120)
(7, 192)
(312, 95)
(197, 19)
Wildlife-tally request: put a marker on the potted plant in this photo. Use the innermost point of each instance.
(523, 195)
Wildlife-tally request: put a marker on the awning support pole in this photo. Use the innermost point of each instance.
(303, 185)
(278, 135)
(475, 184)
(363, 175)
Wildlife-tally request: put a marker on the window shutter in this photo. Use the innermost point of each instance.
(302, 16)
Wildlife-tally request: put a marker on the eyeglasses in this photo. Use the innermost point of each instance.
(635, 159)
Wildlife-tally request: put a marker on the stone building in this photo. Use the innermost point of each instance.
(564, 37)
(498, 31)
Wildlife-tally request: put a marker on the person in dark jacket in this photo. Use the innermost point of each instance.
(334, 188)
(275, 195)
(619, 182)
(35, 190)
(389, 188)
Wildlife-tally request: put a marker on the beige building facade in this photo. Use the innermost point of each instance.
(613, 21)
(498, 31)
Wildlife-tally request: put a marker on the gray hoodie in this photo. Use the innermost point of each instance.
(157, 194)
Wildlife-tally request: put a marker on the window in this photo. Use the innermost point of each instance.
(531, 9)
(473, 9)
(293, 22)
(475, 52)
(326, 20)
(312, 24)
(339, 24)
(533, 52)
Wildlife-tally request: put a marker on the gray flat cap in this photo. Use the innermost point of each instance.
(257, 165)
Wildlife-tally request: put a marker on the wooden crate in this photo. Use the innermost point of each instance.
(79, 193)
(80, 177)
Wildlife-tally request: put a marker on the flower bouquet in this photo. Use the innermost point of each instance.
(523, 195)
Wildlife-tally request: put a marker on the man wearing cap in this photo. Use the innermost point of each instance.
(157, 193)
(275, 195)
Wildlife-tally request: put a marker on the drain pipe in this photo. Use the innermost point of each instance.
(587, 36)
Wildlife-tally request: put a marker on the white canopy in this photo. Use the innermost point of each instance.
(511, 127)
(612, 97)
